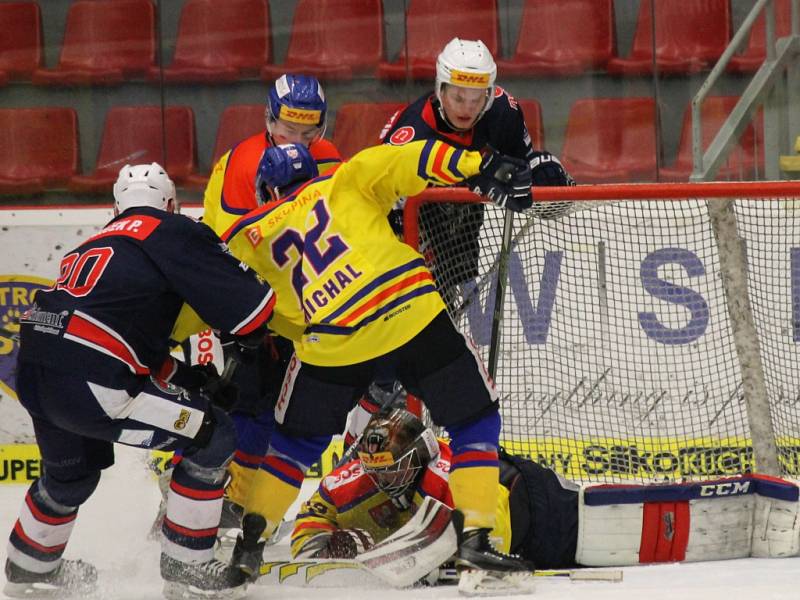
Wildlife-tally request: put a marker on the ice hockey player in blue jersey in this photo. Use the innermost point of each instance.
(94, 369)
(468, 110)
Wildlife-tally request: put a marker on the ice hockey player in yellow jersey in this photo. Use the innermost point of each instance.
(352, 296)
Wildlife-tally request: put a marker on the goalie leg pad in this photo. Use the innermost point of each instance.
(707, 520)
(776, 523)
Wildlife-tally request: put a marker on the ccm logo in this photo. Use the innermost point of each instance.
(725, 489)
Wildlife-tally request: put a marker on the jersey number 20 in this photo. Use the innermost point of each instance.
(81, 272)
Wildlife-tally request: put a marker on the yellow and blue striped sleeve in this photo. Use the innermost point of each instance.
(314, 523)
(385, 173)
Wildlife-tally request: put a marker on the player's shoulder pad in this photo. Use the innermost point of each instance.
(345, 476)
(406, 124)
(324, 152)
(503, 99)
(247, 152)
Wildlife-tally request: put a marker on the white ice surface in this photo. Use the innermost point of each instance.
(112, 528)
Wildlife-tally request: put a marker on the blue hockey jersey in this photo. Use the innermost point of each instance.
(111, 311)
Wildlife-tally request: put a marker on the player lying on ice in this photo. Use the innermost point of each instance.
(541, 516)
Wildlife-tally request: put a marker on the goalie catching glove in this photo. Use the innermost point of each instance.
(504, 180)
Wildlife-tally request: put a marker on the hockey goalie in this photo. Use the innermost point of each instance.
(371, 503)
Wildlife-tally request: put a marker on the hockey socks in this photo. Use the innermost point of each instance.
(277, 483)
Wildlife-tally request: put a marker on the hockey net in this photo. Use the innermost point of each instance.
(648, 332)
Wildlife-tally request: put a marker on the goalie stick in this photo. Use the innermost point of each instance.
(331, 573)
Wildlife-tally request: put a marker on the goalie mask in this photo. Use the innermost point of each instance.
(395, 447)
(143, 185)
(282, 169)
(297, 100)
(465, 64)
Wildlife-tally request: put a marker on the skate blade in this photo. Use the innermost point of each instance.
(478, 582)
(45, 590)
(174, 590)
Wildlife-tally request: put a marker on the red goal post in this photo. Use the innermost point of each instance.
(647, 332)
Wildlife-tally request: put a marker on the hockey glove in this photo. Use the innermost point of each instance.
(192, 377)
(347, 543)
(504, 180)
(396, 221)
(224, 394)
(547, 170)
(242, 348)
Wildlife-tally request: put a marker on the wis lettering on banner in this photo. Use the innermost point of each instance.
(536, 311)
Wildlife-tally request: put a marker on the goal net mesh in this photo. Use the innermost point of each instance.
(616, 353)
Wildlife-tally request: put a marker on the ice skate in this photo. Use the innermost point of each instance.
(209, 580)
(483, 570)
(71, 579)
(248, 554)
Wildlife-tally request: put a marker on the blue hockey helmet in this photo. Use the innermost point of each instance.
(281, 169)
(298, 99)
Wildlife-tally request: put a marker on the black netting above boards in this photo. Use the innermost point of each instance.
(617, 357)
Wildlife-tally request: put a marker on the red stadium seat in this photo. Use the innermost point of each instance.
(135, 135)
(571, 37)
(38, 149)
(359, 125)
(20, 40)
(236, 123)
(431, 24)
(105, 42)
(611, 140)
(533, 120)
(690, 36)
(741, 162)
(219, 42)
(333, 40)
(755, 53)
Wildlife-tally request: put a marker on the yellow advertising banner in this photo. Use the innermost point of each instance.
(597, 459)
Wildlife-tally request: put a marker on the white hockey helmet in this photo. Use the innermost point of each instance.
(143, 185)
(469, 64)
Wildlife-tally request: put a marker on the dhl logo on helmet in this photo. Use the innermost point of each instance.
(300, 115)
(377, 460)
(473, 80)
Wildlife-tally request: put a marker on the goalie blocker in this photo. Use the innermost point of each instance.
(620, 525)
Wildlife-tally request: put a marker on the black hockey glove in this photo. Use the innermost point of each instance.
(346, 543)
(193, 377)
(242, 348)
(504, 180)
(547, 170)
(396, 221)
(222, 393)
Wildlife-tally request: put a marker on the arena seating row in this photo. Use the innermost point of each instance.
(110, 41)
(607, 140)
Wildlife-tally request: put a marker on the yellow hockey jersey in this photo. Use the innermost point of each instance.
(347, 289)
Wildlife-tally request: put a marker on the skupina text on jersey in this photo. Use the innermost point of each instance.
(347, 289)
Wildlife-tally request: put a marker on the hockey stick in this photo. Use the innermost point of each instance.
(325, 573)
